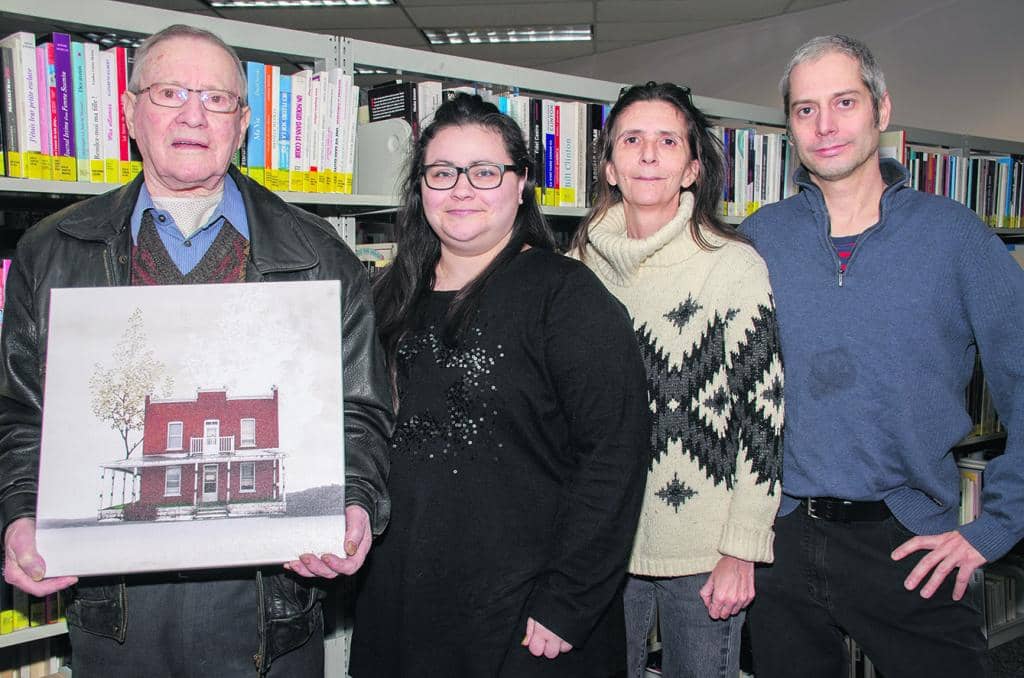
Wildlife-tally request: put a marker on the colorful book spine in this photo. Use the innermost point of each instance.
(255, 153)
(81, 110)
(284, 131)
(64, 165)
(48, 131)
(124, 168)
(27, 160)
(94, 112)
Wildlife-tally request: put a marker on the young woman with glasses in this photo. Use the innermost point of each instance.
(704, 318)
(515, 477)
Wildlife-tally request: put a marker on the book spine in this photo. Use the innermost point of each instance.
(109, 117)
(299, 115)
(351, 112)
(65, 100)
(80, 103)
(271, 85)
(566, 125)
(48, 131)
(284, 128)
(10, 115)
(26, 162)
(550, 195)
(254, 143)
(94, 98)
(124, 169)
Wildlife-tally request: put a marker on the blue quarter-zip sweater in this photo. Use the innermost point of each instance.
(877, 358)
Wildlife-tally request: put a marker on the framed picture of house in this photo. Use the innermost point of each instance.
(191, 426)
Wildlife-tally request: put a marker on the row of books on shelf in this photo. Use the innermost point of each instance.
(39, 659)
(990, 185)
(562, 136)
(1002, 579)
(61, 116)
(762, 163)
(980, 406)
(19, 610)
(62, 119)
(302, 131)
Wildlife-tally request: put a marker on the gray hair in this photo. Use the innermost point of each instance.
(870, 73)
(184, 31)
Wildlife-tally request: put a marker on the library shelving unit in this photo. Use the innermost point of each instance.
(294, 49)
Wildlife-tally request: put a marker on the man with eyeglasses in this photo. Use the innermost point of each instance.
(190, 218)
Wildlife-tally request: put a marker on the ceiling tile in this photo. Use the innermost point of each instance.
(679, 10)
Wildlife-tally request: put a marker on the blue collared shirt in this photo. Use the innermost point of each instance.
(187, 252)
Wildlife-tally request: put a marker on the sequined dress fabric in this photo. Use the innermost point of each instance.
(517, 469)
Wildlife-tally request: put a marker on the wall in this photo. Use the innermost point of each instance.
(951, 65)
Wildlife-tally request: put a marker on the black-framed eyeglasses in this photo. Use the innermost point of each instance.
(481, 175)
(169, 95)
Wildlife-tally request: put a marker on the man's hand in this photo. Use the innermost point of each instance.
(949, 551)
(542, 641)
(729, 588)
(23, 566)
(358, 537)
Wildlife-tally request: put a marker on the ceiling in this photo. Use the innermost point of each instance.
(617, 23)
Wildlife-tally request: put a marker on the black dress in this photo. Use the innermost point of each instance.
(517, 471)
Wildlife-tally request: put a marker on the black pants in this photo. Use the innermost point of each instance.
(830, 579)
(189, 628)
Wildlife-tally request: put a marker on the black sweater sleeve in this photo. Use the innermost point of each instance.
(595, 367)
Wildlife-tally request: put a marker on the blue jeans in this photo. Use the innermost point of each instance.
(693, 645)
(833, 578)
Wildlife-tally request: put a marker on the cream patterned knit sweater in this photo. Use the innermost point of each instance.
(705, 321)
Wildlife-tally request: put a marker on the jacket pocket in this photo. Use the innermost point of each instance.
(99, 608)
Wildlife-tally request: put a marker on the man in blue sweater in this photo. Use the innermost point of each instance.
(884, 297)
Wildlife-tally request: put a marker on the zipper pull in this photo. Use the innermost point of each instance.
(840, 276)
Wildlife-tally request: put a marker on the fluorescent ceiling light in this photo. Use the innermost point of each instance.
(477, 36)
(297, 3)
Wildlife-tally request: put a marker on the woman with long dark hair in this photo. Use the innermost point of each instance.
(516, 475)
(703, 314)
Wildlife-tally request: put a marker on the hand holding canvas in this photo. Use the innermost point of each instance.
(358, 538)
(947, 551)
(23, 566)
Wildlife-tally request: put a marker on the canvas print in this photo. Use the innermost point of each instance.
(191, 426)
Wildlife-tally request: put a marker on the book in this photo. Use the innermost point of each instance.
(94, 112)
(395, 100)
(80, 102)
(62, 107)
(27, 160)
(109, 117)
(255, 138)
(8, 112)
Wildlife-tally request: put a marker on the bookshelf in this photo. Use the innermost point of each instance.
(295, 49)
(33, 633)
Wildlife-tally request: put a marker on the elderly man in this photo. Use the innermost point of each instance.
(884, 297)
(190, 218)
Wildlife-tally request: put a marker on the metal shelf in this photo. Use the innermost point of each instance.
(33, 633)
(1004, 633)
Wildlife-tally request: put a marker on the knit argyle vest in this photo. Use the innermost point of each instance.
(224, 262)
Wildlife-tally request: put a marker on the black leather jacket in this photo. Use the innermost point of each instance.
(89, 245)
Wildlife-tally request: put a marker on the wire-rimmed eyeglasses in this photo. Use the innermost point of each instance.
(169, 95)
(481, 175)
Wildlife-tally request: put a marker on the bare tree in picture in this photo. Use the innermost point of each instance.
(119, 393)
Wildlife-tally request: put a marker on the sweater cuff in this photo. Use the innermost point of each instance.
(747, 543)
(988, 537)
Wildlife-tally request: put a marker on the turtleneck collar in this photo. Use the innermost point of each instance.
(619, 257)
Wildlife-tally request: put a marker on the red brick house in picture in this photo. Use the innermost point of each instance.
(212, 456)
